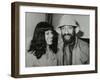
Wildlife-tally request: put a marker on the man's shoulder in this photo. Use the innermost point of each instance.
(83, 42)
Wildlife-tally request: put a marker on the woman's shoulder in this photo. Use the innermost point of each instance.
(31, 54)
(33, 58)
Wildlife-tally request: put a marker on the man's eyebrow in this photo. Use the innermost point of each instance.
(61, 26)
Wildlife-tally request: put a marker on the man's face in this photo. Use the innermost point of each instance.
(68, 33)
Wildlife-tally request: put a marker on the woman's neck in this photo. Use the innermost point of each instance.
(48, 48)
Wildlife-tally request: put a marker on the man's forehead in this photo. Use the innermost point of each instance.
(66, 26)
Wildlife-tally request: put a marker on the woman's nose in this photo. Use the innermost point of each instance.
(51, 35)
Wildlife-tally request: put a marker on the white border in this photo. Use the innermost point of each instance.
(36, 70)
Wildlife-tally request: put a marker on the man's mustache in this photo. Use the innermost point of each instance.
(67, 35)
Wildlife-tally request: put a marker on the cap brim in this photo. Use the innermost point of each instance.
(67, 25)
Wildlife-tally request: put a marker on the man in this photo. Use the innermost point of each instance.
(75, 51)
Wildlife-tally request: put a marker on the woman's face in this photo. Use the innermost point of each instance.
(48, 37)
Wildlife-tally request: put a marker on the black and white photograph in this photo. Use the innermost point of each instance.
(51, 39)
(56, 39)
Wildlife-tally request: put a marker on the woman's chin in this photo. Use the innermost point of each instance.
(50, 43)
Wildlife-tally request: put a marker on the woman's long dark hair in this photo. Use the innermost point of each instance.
(38, 42)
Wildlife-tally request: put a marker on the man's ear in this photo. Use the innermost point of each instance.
(77, 29)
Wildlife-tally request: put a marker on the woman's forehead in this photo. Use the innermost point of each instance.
(48, 31)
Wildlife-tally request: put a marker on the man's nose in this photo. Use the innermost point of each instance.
(66, 31)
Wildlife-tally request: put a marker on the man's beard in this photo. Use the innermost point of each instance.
(68, 38)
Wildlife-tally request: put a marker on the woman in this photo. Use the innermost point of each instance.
(44, 45)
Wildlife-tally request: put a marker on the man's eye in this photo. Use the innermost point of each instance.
(70, 27)
(63, 28)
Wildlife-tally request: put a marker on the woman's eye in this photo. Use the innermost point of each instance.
(47, 33)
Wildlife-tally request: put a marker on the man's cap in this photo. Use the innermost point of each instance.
(67, 20)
